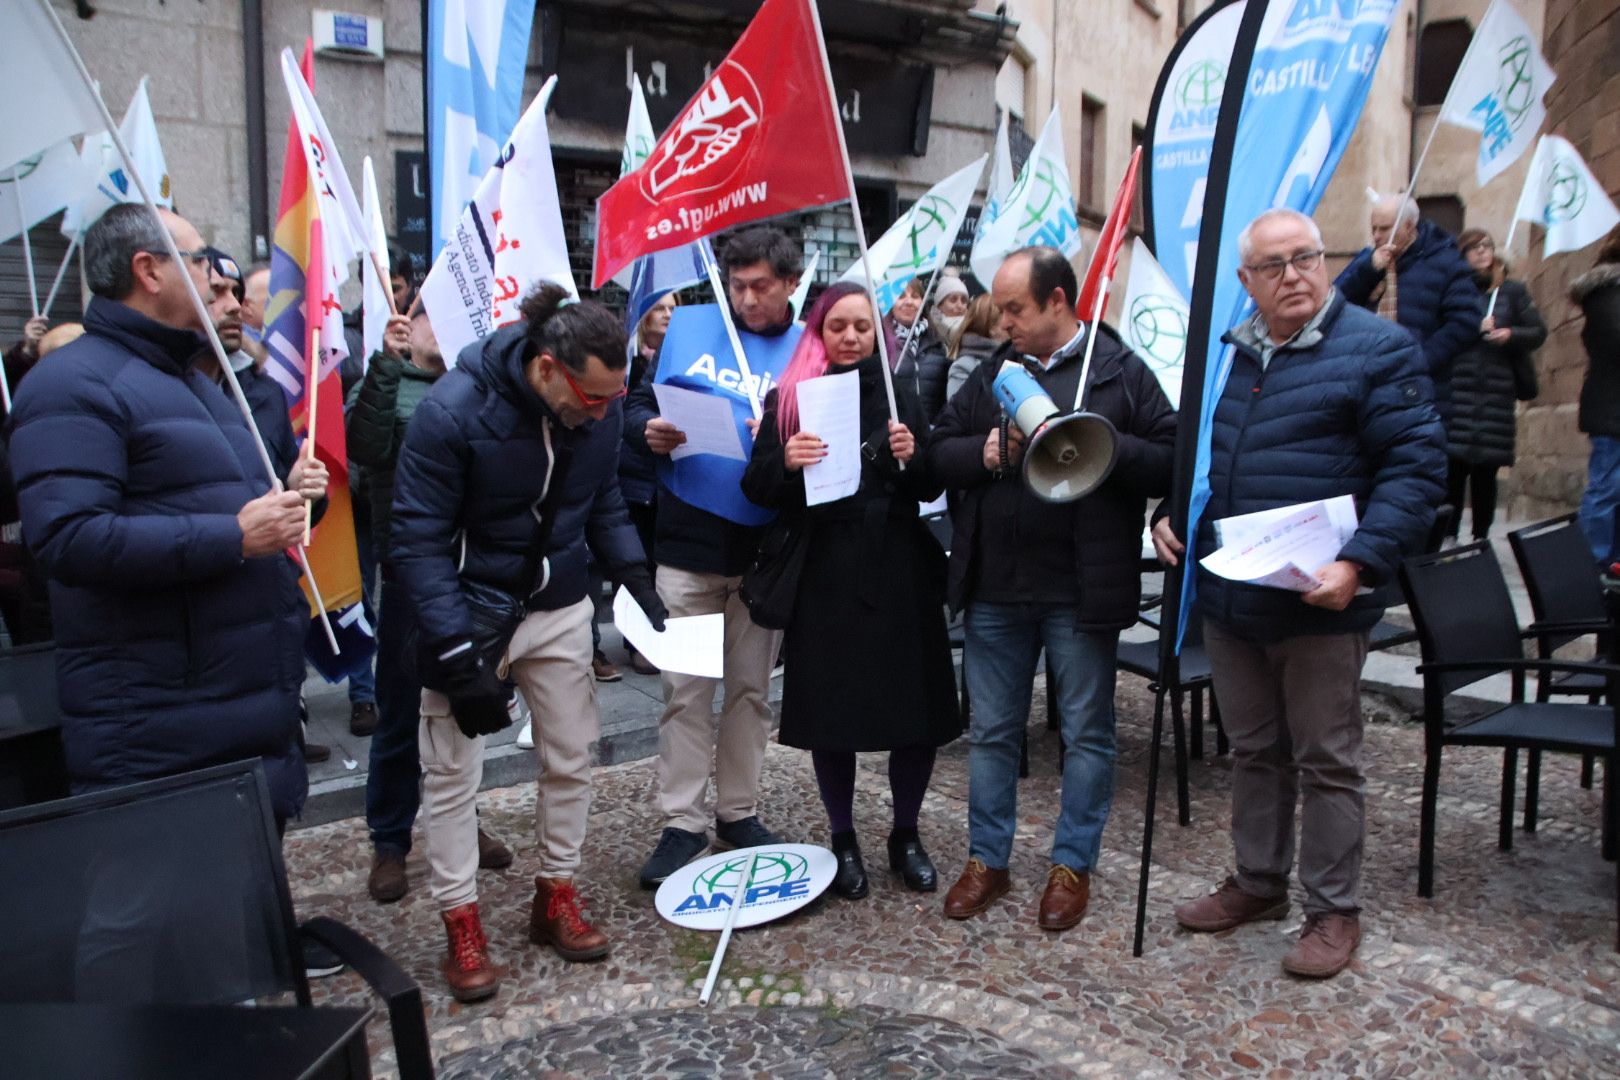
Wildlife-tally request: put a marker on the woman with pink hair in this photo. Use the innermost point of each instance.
(868, 663)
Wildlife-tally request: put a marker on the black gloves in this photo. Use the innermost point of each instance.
(477, 695)
(639, 584)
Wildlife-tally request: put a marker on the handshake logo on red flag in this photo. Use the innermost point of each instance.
(716, 131)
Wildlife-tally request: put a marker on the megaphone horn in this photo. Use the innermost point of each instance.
(1067, 455)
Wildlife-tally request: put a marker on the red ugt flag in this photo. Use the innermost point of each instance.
(760, 138)
(1105, 260)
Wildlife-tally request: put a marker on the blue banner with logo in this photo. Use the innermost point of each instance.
(696, 355)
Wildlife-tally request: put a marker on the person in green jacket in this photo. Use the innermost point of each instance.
(380, 407)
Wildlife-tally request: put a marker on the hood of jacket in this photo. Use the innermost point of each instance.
(1600, 276)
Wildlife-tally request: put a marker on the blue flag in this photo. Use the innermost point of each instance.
(663, 272)
(476, 54)
(697, 355)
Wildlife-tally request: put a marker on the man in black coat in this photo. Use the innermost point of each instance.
(1323, 400)
(1034, 574)
(179, 623)
(507, 475)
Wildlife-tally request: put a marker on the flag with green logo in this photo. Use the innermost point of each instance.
(1563, 196)
(920, 242)
(1498, 89)
(1039, 210)
(1154, 322)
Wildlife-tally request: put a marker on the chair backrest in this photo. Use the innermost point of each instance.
(166, 892)
(1461, 609)
(1559, 573)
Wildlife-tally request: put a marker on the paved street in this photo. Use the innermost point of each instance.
(1510, 970)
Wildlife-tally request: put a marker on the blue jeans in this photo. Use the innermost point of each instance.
(363, 683)
(1004, 641)
(393, 784)
(1601, 498)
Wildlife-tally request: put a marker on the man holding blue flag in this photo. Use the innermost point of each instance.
(707, 534)
(1323, 400)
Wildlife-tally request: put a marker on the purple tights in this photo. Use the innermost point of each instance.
(909, 771)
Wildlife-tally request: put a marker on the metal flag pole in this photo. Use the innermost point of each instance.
(1091, 338)
(61, 271)
(173, 251)
(750, 387)
(725, 931)
(1507, 245)
(855, 211)
(28, 250)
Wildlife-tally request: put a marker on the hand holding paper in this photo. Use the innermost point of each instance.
(830, 406)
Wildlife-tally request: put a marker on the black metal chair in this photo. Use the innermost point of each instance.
(171, 892)
(1388, 634)
(1189, 674)
(1468, 631)
(32, 767)
(1566, 597)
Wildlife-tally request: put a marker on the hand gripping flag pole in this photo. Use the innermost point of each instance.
(173, 251)
(737, 903)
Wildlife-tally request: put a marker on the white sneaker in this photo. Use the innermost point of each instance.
(518, 710)
(525, 738)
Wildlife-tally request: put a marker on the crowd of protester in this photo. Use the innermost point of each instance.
(495, 494)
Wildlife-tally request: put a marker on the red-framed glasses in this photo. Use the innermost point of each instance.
(590, 401)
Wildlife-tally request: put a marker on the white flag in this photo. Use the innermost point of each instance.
(1563, 196)
(47, 181)
(43, 97)
(105, 181)
(1039, 210)
(919, 243)
(509, 238)
(1154, 320)
(1001, 183)
(374, 305)
(639, 138)
(1498, 89)
(806, 279)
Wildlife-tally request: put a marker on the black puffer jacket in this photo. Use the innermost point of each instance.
(932, 366)
(1487, 379)
(1598, 293)
(1108, 522)
(475, 461)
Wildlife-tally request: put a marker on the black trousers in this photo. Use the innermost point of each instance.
(1479, 482)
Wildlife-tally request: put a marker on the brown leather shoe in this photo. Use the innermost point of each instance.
(556, 920)
(1064, 901)
(387, 882)
(363, 720)
(640, 664)
(466, 965)
(1325, 945)
(974, 892)
(492, 854)
(1229, 906)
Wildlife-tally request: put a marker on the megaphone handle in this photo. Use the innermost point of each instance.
(1006, 429)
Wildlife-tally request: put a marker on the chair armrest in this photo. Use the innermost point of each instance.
(1516, 664)
(406, 1018)
(1150, 621)
(1571, 626)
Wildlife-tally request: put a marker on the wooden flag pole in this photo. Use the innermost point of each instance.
(314, 367)
(198, 307)
(737, 903)
(385, 280)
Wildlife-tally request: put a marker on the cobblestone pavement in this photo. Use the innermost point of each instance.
(1511, 969)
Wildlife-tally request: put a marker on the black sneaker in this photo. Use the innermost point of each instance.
(745, 833)
(676, 848)
(319, 961)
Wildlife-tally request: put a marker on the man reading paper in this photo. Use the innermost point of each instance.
(1324, 399)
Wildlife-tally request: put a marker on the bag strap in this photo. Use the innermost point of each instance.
(545, 510)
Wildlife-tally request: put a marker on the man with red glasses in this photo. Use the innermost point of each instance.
(507, 474)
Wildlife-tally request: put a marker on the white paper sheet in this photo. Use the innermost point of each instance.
(1241, 529)
(830, 409)
(706, 420)
(691, 645)
(1283, 554)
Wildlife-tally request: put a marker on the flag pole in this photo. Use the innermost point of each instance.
(314, 366)
(855, 211)
(750, 387)
(725, 931)
(922, 313)
(56, 283)
(201, 309)
(28, 250)
(1091, 336)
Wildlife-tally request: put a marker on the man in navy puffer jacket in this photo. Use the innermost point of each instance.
(507, 474)
(1435, 295)
(179, 623)
(1323, 400)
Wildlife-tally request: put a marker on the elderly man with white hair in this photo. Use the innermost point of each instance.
(1323, 400)
(1414, 275)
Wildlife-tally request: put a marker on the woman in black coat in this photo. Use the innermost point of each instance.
(1598, 293)
(867, 659)
(1487, 379)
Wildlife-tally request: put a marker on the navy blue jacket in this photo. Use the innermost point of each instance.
(173, 652)
(638, 466)
(1436, 299)
(469, 480)
(1351, 415)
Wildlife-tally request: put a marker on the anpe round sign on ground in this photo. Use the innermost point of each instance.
(786, 877)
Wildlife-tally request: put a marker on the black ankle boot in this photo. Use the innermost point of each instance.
(850, 881)
(911, 862)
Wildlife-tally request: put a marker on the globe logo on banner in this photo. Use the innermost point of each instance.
(711, 138)
(1516, 80)
(1047, 193)
(1158, 331)
(927, 220)
(1566, 194)
(1201, 86)
(23, 169)
(786, 877)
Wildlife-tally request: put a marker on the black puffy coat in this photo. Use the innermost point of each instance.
(867, 656)
(1598, 293)
(173, 652)
(1436, 300)
(638, 466)
(472, 468)
(1350, 415)
(933, 364)
(1488, 379)
(1108, 522)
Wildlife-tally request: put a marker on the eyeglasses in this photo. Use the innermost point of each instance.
(590, 401)
(1482, 245)
(198, 258)
(1272, 269)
